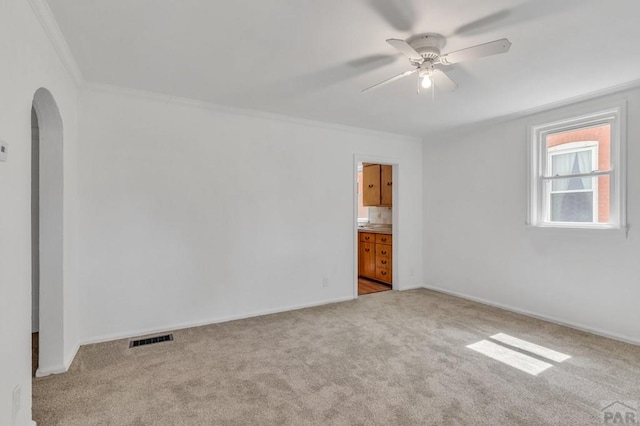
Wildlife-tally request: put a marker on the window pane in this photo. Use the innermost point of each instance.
(600, 134)
(572, 207)
(572, 184)
(572, 163)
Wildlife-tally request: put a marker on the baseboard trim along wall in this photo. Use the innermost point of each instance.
(189, 324)
(410, 287)
(136, 333)
(53, 370)
(61, 368)
(565, 323)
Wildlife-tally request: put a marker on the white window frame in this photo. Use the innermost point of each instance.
(538, 213)
(568, 148)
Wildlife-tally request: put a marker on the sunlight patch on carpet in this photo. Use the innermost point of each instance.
(510, 357)
(531, 347)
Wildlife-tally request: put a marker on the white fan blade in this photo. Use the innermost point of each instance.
(400, 14)
(443, 81)
(405, 48)
(487, 49)
(389, 80)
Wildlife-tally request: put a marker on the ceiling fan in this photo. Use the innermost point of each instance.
(424, 53)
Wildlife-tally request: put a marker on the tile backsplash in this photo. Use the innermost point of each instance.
(380, 215)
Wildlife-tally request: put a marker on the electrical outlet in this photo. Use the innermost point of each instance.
(325, 282)
(4, 148)
(17, 391)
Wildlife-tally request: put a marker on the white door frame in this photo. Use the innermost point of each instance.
(395, 271)
(51, 336)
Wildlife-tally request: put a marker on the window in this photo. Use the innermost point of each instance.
(577, 176)
(363, 212)
(574, 199)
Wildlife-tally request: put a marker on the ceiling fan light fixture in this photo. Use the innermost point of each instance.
(423, 52)
(426, 82)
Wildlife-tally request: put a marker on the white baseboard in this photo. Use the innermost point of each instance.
(189, 324)
(60, 368)
(141, 332)
(570, 324)
(411, 287)
(57, 369)
(71, 356)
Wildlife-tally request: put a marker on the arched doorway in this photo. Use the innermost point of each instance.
(47, 231)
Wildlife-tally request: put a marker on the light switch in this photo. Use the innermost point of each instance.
(4, 147)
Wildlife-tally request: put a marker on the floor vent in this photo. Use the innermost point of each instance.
(150, 340)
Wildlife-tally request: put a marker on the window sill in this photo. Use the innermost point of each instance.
(577, 229)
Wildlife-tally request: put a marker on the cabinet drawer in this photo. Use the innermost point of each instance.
(383, 239)
(383, 263)
(383, 274)
(383, 251)
(367, 237)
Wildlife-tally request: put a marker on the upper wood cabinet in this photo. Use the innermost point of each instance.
(371, 184)
(377, 185)
(386, 185)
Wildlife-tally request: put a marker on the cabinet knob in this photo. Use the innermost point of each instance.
(370, 185)
(383, 252)
(384, 262)
(384, 272)
(367, 250)
(383, 239)
(366, 238)
(389, 183)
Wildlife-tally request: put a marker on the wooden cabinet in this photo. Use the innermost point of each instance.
(375, 256)
(386, 185)
(370, 184)
(367, 259)
(377, 185)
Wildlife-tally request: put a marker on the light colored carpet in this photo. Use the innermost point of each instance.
(391, 358)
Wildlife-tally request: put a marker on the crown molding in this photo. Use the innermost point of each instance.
(589, 96)
(52, 30)
(223, 109)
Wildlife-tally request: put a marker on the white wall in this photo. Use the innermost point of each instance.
(476, 243)
(192, 214)
(29, 62)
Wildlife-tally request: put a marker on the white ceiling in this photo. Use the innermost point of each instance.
(311, 58)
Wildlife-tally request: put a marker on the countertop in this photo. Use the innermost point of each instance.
(375, 229)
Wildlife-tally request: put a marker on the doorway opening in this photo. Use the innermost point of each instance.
(47, 290)
(374, 227)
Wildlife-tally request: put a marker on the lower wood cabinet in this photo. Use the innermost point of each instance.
(374, 256)
(367, 259)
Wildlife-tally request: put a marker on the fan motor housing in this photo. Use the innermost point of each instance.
(428, 45)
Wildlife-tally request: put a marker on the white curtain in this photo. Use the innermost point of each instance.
(569, 164)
